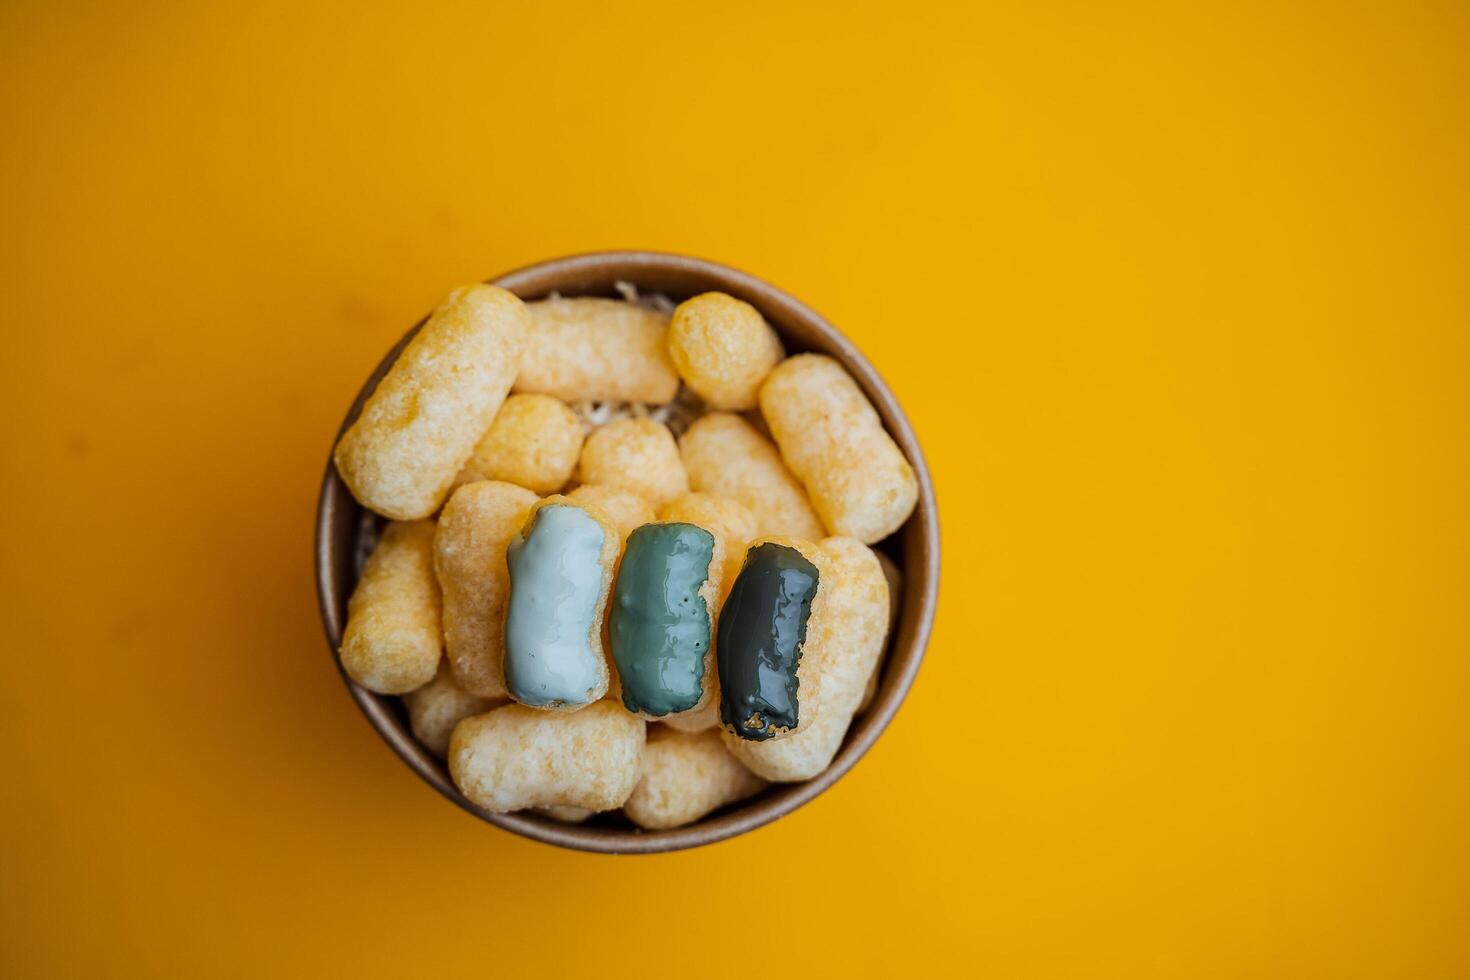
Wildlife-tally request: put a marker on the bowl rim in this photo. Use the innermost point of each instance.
(916, 617)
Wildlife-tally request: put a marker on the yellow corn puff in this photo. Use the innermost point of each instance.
(392, 642)
(534, 443)
(516, 757)
(626, 509)
(469, 559)
(638, 455)
(831, 437)
(701, 720)
(684, 778)
(723, 349)
(419, 427)
(435, 708)
(598, 349)
(849, 639)
(723, 454)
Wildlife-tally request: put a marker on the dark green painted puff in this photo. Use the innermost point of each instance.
(660, 624)
(762, 630)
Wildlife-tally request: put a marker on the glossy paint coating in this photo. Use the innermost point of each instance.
(660, 625)
(555, 585)
(762, 630)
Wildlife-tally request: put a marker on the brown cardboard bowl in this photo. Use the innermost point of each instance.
(914, 548)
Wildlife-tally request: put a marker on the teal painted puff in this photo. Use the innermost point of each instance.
(660, 625)
(762, 631)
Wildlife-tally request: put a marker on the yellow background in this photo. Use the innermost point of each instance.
(1176, 298)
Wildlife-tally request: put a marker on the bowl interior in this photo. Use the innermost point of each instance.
(342, 524)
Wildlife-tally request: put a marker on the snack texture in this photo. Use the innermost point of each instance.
(516, 757)
(831, 437)
(533, 442)
(435, 708)
(469, 560)
(723, 349)
(702, 719)
(419, 427)
(724, 454)
(392, 642)
(852, 633)
(638, 455)
(624, 508)
(684, 778)
(590, 348)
